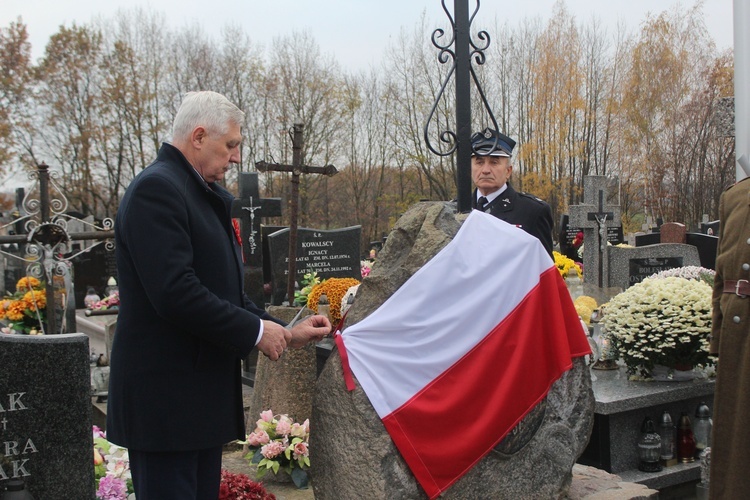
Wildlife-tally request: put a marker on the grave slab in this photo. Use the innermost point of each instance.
(619, 409)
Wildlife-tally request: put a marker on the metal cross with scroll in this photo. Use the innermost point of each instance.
(296, 168)
(47, 246)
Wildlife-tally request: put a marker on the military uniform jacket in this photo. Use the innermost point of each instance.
(730, 337)
(184, 322)
(523, 210)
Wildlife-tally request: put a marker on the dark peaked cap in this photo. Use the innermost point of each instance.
(490, 142)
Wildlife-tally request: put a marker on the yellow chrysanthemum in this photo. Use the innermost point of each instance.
(3, 307)
(584, 312)
(587, 301)
(565, 264)
(28, 283)
(335, 289)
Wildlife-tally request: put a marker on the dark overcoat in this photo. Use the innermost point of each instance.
(184, 322)
(730, 337)
(523, 210)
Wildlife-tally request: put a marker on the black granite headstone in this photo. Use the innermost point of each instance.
(707, 246)
(331, 253)
(641, 240)
(45, 415)
(641, 269)
(93, 269)
(710, 228)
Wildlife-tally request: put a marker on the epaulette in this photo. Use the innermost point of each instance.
(531, 196)
(741, 180)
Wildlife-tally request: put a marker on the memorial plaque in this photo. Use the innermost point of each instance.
(641, 269)
(330, 253)
(45, 415)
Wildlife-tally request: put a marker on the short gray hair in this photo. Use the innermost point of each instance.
(206, 109)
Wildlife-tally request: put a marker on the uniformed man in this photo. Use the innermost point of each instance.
(730, 339)
(491, 168)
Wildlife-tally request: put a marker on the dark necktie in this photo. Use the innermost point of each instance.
(481, 203)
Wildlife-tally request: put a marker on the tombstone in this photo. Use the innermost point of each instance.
(595, 216)
(93, 268)
(352, 454)
(331, 253)
(45, 415)
(628, 266)
(642, 240)
(568, 233)
(620, 408)
(672, 232)
(707, 246)
(250, 208)
(710, 228)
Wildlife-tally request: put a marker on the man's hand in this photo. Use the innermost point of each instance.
(311, 329)
(274, 340)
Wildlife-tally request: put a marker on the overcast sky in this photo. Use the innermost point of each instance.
(355, 32)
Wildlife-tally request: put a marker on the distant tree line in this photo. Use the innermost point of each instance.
(579, 100)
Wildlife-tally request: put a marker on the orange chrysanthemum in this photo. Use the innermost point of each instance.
(35, 299)
(15, 309)
(28, 283)
(335, 289)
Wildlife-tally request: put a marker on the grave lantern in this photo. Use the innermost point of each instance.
(16, 490)
(666, 433)
(649, 447)
(685, 440)
(703, 426)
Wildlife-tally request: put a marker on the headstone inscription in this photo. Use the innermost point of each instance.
(331, 253)
(45, 415)
(595, 216)
(629, 266)
(249, 208)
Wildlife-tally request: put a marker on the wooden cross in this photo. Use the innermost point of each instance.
(249, 208)
(296, 168)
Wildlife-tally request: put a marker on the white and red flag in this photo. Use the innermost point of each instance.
(458, 355)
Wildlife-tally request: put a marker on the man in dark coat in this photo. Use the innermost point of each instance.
(730, 339)
(491, 169)
(185, 324)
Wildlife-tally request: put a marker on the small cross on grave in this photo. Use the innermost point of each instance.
(594, 216)
(249, 208)
(297, 168)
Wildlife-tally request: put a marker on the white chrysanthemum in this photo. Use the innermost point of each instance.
(665, 320)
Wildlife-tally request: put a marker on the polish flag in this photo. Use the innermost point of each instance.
(458, 355)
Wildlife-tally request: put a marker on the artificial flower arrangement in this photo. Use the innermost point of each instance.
(365, 267)
(110, 302)
(661, 321)
(279, 443)
(111, 469)
(309, 280)
(235, 486)
(335, 289)
(25, 310)
(565, 264)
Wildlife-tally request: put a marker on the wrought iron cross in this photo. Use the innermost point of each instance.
(48, 243)
(297, 169)
(464, 49)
